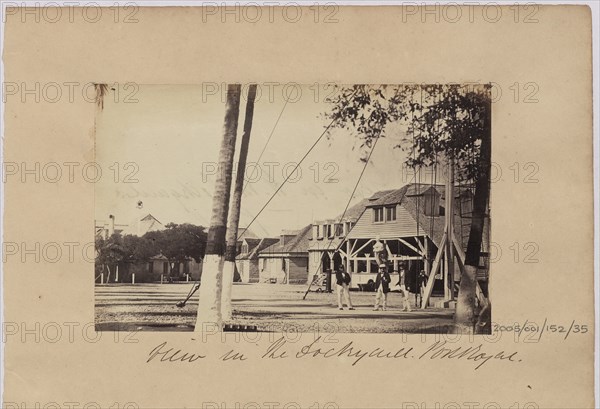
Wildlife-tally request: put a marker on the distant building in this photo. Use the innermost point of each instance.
(244, 233)
(247, 260)
(155, 267)
(286, 261)
(137, 227)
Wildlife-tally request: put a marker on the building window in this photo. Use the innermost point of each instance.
(330, 230)
(390, 213)
(319, 236)
(378, 214)
(339, 229)
(244, 248)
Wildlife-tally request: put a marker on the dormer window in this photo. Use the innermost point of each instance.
(390, 213)
(339, 229)
(319, 231)
(378, 215)
(244, 248)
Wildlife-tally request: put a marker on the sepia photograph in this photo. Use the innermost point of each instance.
(359, 208)
(324, 205)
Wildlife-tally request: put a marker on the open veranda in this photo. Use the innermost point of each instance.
(268, 307)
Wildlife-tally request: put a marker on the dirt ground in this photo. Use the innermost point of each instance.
(270, 307)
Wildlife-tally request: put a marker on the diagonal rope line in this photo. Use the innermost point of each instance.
(343, 214)
(268, 140)
(196, 286)
(293, 171)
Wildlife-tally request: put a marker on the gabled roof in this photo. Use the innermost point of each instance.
(143, 225)
(260, 245)
(355, 211)
(395, 196)
(379, 198)
(251, 242)
(410, 197)
(297, 244)
(244, 233)
(380, 194)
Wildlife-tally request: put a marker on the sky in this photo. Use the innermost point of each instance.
(163, 149)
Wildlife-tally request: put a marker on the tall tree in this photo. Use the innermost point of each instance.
(109, 252)
(466, 306)
(209, 307)
(177, 242)
(236, 202)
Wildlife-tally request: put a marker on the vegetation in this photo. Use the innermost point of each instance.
(177, 242)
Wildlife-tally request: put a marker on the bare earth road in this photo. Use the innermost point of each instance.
(270, 307)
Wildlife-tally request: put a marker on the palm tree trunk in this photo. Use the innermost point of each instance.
(209, 307)
(466, 313)
(236, 201)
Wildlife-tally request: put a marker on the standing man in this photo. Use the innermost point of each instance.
(403, 290)
(382, 285)
(421, 284)
(343, 287)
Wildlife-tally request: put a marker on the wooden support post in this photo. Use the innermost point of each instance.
(450, 219)
(363, 246)
(389, 251)
(133, 278)
(117, 274)
(434, 269)
(427, 262)
(446, 274)
(418, 238)
(410, 246)
(102, 278)
(347, 255)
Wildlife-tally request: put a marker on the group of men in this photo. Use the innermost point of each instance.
(382, 287)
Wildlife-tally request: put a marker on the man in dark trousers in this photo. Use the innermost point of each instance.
(382, 285)
(343, 287)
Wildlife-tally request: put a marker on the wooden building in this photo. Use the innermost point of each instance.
(286, 261)
(247, 260)
(409, 222)
(327, 235)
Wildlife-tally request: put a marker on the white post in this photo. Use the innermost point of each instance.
(227, 290)
(348, 270)
(117, 274)
(102, 278)
(133, 278)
